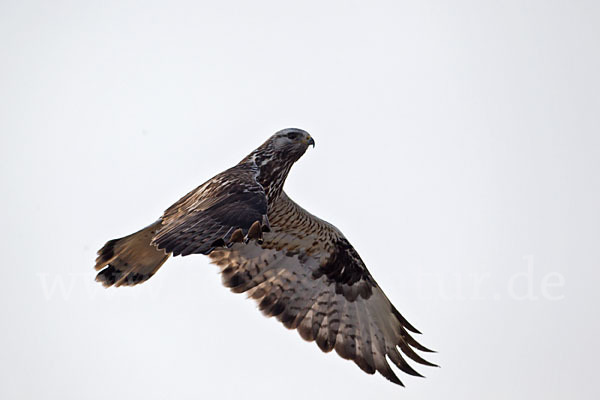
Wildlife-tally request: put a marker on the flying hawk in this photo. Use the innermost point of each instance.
(297, 267)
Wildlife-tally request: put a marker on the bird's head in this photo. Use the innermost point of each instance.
(290, 143)
(275, 157)
(283, 148)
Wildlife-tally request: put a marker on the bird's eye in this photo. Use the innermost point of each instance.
(293, 135)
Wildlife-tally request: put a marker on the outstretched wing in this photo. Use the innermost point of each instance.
(207, 217)
(308, 275)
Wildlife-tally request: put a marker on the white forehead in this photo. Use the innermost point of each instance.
(281, 138)
(284, 132)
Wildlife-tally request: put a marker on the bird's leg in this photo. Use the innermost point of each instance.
(236, 237)
(255, 233)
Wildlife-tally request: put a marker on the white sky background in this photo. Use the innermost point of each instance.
(457, 147)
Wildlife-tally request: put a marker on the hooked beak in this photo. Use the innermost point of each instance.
(311, 141)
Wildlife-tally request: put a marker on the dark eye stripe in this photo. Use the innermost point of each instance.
(292, 135)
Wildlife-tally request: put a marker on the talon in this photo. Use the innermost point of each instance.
(255, 231)
(236, 237)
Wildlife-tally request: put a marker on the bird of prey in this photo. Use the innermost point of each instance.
(300, 269)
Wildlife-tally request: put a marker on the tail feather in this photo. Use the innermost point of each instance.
(130, 260)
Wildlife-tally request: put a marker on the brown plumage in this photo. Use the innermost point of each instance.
(299, 268)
